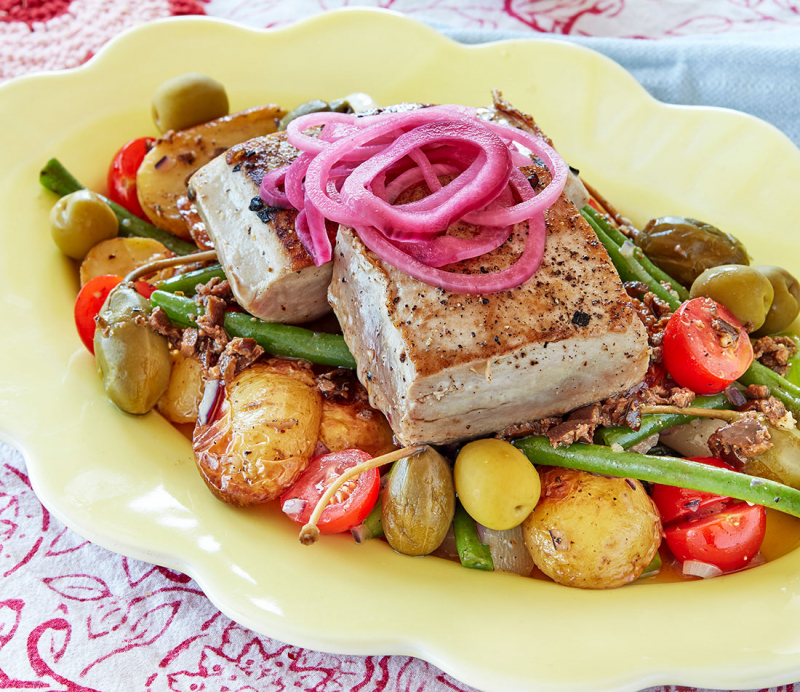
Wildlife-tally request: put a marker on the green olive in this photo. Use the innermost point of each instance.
(313, 106)
(133, 361)
(496, 483)
(357, 102)
(79, 221)
(786, 303)
(684, 248)
(745, 291)
(187, 100)
(418, 503)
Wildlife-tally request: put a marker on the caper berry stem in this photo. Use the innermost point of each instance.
(651, 424)
(188, 282)
(158, 265)
(665, 470)
(310, 533)
(58, 179)
(779, 387)
(472, 553)
(628, 267)
(720, 414)
(278, 339)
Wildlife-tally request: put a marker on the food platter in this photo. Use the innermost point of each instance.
(130, 485)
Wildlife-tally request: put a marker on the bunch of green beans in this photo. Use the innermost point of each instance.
(58, 179)
(665, 470)
(634, 265)
(278, 339)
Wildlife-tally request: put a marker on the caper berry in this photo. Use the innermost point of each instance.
(133, 361)
(418, 503)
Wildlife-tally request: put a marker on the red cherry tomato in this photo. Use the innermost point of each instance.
(700, 356)
(728, 539)
(122, 175)
(675, 504)
(91, 299)
(351, 504)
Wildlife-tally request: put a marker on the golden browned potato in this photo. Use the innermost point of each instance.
(181, 401)
(592, 531)
(348, 421)
(121, 256)
(264, 433)
(167, 167)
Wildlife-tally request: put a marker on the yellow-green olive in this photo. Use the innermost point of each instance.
(418, 503)
(188, 100)
(313, 106)
(786, 303)
(133, 361)
(745, 291)
(684, 248)
(496, 483)
(79, 221)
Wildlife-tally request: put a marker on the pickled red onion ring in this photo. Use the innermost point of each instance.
(353, 169)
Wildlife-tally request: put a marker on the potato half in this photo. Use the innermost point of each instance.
(264, 434)
(165, 171)
(592, 531)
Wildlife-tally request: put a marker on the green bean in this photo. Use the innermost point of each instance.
(58, 179)
(628, 267)
(372, 527)
(278, 339)
(471, 551)
(186, 283)
(653, 568)
(792, 375)
(779, 386)
(653, 423)
(666, 470)
(619, 237)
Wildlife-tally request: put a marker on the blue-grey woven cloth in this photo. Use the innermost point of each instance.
(755, 73)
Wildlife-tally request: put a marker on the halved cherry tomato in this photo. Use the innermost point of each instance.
(705, 347)
(728, 539)
(675, 504)
(122, 175)
(351, 504)
(91, 299)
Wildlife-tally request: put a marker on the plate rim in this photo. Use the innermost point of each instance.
(430, 653)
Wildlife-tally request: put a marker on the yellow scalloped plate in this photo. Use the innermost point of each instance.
(130, 484)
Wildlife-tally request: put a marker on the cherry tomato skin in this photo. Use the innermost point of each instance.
(692, 350)
(122, 175)
(359, 494)
(729, 539)
(91, 298)
(675, 504)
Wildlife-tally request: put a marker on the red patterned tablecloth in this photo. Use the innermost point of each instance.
(75, 617)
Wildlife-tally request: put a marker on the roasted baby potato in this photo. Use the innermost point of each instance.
(181, 401)
(348, 421)
(592, 531)
(163, 175)
(263, 434)
(121, 256)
